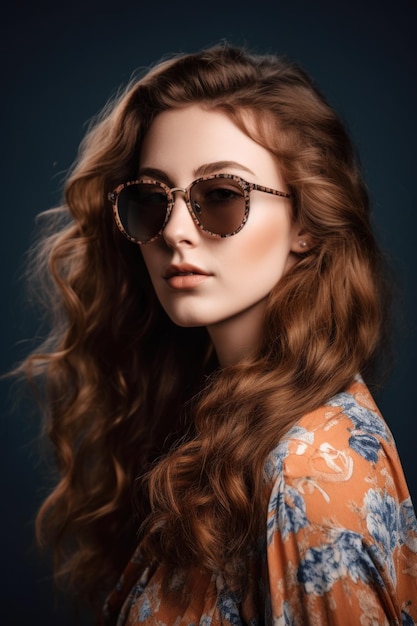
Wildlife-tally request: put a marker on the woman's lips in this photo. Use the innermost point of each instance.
(186, 281)
(184, 276)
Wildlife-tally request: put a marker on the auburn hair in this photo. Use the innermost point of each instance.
(148, 432)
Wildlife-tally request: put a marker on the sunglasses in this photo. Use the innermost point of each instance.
(219, 205)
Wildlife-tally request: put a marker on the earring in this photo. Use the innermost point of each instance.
(302, 243)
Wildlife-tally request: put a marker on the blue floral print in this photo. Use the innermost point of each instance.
(291, 513)
(343, 556)
(287, 617)
(145, 610)
(407, 620)
(367, 427)
(408, 525)
(228, 609)
(363, 419)
(287, 512)
(383, 524)
(365, 445)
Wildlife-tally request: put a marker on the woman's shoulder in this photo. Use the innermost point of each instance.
(338, 461)
(347, 428)
(340, 516)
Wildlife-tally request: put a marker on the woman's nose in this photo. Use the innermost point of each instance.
(181, 228)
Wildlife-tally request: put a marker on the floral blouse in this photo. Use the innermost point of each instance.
(340, 543)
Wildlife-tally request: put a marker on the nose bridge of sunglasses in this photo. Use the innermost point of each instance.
(191, 203)
(174, 190)
(179, 192)
(183, 194)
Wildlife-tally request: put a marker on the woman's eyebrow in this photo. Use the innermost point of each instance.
(219, 166)
(153, 172)
(202, 170)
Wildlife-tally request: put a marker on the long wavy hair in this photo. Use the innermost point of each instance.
(148, 432)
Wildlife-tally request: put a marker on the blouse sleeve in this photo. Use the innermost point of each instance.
(342, 532)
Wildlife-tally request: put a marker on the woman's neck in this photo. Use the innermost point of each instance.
(235, 338)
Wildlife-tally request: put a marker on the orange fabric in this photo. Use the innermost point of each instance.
(340, 543)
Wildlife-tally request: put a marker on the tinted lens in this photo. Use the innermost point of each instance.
(219, 205)
(142, 209)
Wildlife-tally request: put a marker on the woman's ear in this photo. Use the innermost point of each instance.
(302, 242)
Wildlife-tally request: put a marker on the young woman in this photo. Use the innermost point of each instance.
(218, 301)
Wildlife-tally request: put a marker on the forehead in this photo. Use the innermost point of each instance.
(179, 141)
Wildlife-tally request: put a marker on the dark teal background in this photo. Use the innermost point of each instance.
(62, 61)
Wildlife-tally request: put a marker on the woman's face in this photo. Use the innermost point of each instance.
(199, 279)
